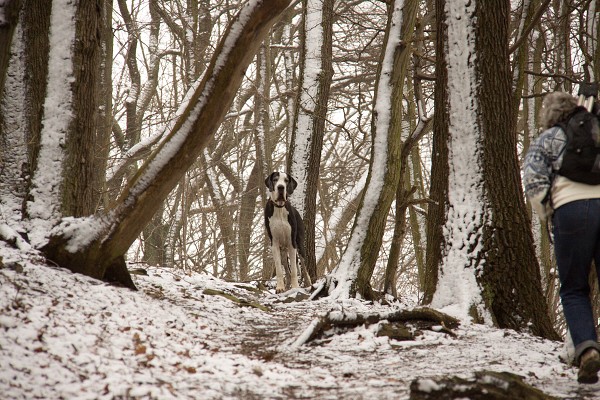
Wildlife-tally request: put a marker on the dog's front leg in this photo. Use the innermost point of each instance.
(280, 288)
(293, 267)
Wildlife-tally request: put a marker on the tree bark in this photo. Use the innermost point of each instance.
(438, 190)
(511, 277)
(105, 117)
(36, 32)
(80, 162)
(304, 161)
(402, 53)
(489, 245)
(10, 11)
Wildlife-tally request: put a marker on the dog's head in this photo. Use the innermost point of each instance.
(281, 185)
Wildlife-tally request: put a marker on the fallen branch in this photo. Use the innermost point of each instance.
(426, 318)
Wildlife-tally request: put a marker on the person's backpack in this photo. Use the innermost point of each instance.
(581, 160)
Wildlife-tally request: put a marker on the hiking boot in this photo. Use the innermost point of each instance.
(589, 367)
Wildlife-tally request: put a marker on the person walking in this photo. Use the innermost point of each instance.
(574, 210)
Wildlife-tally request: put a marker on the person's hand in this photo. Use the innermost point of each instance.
(541, 207)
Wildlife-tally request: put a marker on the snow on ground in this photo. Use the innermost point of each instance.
(66, 336)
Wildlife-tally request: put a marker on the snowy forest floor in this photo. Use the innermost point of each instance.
(66, 336)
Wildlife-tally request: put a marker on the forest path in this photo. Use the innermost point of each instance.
(357, 364)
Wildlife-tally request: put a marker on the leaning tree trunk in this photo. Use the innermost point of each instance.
(353, 275)
(109, 235)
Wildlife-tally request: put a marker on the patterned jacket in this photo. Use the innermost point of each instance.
(542, 160)
(546, 189)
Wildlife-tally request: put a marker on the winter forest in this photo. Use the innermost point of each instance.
(138, 134)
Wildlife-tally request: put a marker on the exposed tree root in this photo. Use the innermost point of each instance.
(394, 325)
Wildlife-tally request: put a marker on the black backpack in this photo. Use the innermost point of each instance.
(581, 160)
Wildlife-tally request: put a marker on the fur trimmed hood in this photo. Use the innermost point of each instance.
(555, 108)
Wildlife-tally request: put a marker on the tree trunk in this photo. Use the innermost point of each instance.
(155, 240)
(246, 214)
(36, 32)
(80, 163)
(438, 190)
(403, 194)
(316, 73)
(489, 244)
(353, 275)
(511, 277)
(105, 117)
(14, 166)
(9, 10)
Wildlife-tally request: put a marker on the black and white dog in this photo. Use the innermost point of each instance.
(284, 227)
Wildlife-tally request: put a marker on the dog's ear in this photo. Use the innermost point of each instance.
(292, 184)
(269, 181)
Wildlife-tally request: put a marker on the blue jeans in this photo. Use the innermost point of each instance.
(576, 245)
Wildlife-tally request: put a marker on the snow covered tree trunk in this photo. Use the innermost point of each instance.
(353, 274)
(95, 244)
(309, 120)
(9, 17)
(63, 178)
(36, 39)
(81, 162)
(466, 203)
(488, 271)
(13, 148)
(438, 187)
(105, 117)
